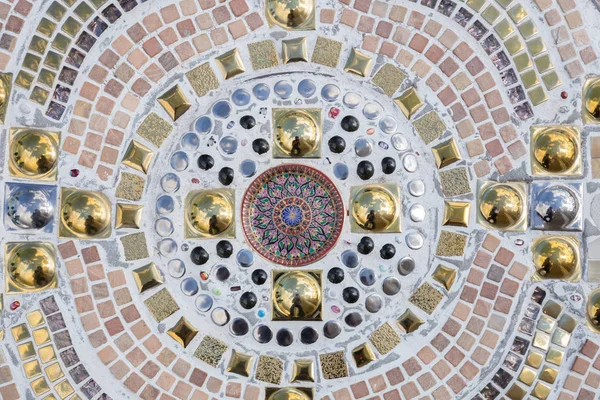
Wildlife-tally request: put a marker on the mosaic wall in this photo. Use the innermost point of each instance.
(300, 199)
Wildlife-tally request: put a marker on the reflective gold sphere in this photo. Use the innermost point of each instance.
(210, 213)
(32, 266)
(3, 90)
(555, 258)
(593, 310)
(288, 394)
(297, 133)
(33, 152)
(85, 214)
(296, 295)
(555, 151)
(501, 206)
(591, 100)
(291, 14)
(374, 209)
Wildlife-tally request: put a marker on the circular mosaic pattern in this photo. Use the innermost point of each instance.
(292, 215)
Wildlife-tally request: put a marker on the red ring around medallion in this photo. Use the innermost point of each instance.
(292, 215)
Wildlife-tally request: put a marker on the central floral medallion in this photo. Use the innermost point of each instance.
(292, 215)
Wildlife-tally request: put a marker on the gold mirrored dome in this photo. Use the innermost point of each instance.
(555, 150)
(33, 153)
(501, 206)
(291, 14)
(209, 213)
(297, 133)
(297, 295)
(556, 257)
(84, 214)
(593, 310)
(288, 393)
(30, 267)
(374, 208)
(3, 92)
(591, 100)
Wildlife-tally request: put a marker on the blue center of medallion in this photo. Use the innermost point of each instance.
(292, 215)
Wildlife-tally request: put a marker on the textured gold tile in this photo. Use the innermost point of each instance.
(456, 213)
(41, 336)
(534, 359)
(389, 78)
(444, 275)
(358, 63)
(230, 64)
(130, 187)
(54, 372)
(183, 332)
(409, 102)
(295, 50)
(161, 304)
(363, 355)
(333, 365)
(426, 297)
(384, 338)
(263, 55)
(174, 102)
(303, 371)
(555, 356)
(155, 129)
(269, 369)
(504, 29)
(451, 244)
(147, 277)
(409, 321)
(32, 369)
(326, 52)
(446, 153)
(240, 363)
(135, 246)
(40, 386)
(430, 126)
(210, 350)
(455, 182)
(203, 79)
(128, 216)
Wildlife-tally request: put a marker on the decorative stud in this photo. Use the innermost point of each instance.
(297, 132)
(556, 151)
(29, 267)
(29, 208)
(445, 276)
(33, 153)
(556, 257)
(591, 101)
(556, 207)
(297, 295)
(291, 15)
(375, 208)
(409, 322)
(502, 206)
(456, 213)
(230, 64)
(210, 214)
(358, 63)
(147, 277)
(183, 332)
(295, 50)
(363, 355)
(446, 153)
(84, 214)
(304, 371)
(5, 91)
(128, 216)
(240, 363)
(174, 102)
(138, 156)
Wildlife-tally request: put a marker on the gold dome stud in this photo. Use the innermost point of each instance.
(297, 295)
(297, 133)
(556, 257)
(593, 311)
(591, 101)
(84, 215)
(289, 393)
(33, 153)
(210, 214)
(555, 150)
(30, 267)
(291, 14)
(375, 208)
(502, 206)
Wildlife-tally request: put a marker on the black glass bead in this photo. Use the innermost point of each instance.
(387, 251)
(223, 273)
(206, 162)
(365, 170)
(366, 245)
(248, 300)
(350, 294)
(260, 146)
(259, 276)
(309, 335)
(350, 123)
(224, 249)
(239, 326)
(284, 337)
(226, 176)
(388, 165)
(337, 144)
(199, 256)
(335, 275)
(247, 122)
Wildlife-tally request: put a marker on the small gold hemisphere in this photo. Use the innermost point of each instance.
(297, 295)
(557, 257)
(289, 393)
(501, 206)
(84, 214)
(297, 134)
(555, 151)
(291, 14)
(593, 310)
(591, 101)
(209, 213)
(374, 209)
(33, 153)
(30, 267)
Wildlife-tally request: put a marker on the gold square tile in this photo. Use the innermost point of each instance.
(155, 129)
(517, 13)
(202, 79)
(20, 258)
(71, 27)
(56, 11)
(456, 213)
(476, 5)
(546, 324)
(388, 78)
(491, 14)
(516, 392)
(240, 363)
(84, 214)
(446, 153)
(147, 277)
(504, 28)
(20, 332)
(24, 79)
(567, 323)
(54, 372)
(375, 208)
(541, 340)
(363, 355)
(537, 96)
(409, 322)
(40, 386)
(536, 46)
(183, 332)
(409, 102)
(556, 150)
(83, 11)
(210, 214)
(528, 29)
(304, 371)
(514, 45)
(39, 95)
(138, 156)
(552, 308)
(591, 101)
(26, 351)
(358, 63)
(263, 55)
(47, 354)
(445, 276)
(34, 153)
(548, 374)
(295, 50)
(297, 132)
(41, 336)
(504, 3)
(46, 27)
(128, 216)
(529, 79)
(230, 64)
(493, 195)
(541, 391)
(32, 369)
(543, 63)
(35, 318)
(61, 43)
(64, 389)
(46, 77)
(555, 356)
(430, 127)
(551, 80)
(174, 102)
(534, 359)
(38, 45)
(32, 62)
(561, 338)
(527, 375)
(522, 61)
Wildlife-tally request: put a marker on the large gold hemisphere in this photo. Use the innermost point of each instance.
(555, 258)
(555, 151)
(85, 214)
(3, 92)
(291, 14)
(296, 295)
(210, 213)
(288, 394)
(593, 310)
(32, 266)
(297, 134)
(34, 152)
(591, 100)
(501, 206)
(374, 209)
